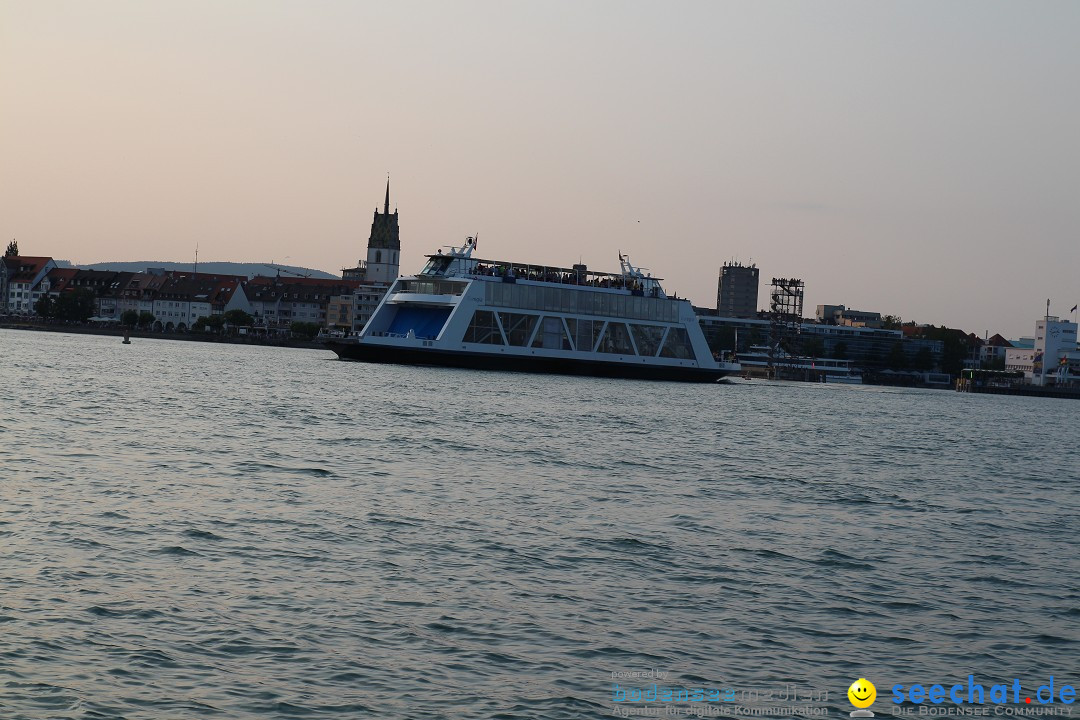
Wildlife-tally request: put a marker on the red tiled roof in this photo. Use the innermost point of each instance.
(270, 289)
(59, 278)
(26, 267)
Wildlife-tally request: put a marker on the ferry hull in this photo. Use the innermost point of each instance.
(520, 363)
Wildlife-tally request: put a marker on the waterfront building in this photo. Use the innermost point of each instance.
(180, 299)
(106, 285)
(365, 300)
(1020, 359)
(139, 293)
(277, 302)
(840, 315)
(737, 291)
(59, 280)
(349, 313)
(8, 265)
(993, 350)
(868, 348)
(23, 282)
(339, 313)
(1055, 352)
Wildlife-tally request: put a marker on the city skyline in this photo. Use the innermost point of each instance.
(911, 159)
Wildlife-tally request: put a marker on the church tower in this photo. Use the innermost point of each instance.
(384, 245)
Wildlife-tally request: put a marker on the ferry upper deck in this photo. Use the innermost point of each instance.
(460, 263)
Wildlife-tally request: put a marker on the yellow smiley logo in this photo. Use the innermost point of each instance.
(862, 693)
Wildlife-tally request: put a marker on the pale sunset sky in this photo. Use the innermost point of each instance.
(914, 158)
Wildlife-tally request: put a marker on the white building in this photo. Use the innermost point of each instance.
(1055, 340)
(1019, 358)
(24, 282)
(277, 302)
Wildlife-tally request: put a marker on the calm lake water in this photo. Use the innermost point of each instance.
(192, 530)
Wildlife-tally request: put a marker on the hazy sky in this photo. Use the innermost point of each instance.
(914, 158)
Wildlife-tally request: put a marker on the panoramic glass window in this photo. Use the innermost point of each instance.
(552, 335)
(518, 327)
(677, 345)
(647, 338)
(585, 333)
(616, 340)
(483, 329)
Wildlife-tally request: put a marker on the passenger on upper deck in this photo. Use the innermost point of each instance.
(564, 278)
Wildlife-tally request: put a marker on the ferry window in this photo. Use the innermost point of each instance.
(647, 338)
(551, 335)
(585, 332)
(483, 329)
(572, 325)
(518, 327)
(616, 340)
(565, 340)
(677, 345)
(581, 299)
(567, 300)
(651, 307)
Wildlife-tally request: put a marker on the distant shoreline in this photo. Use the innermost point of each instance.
(144, 335)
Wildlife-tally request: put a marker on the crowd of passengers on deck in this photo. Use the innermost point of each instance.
(565, 278)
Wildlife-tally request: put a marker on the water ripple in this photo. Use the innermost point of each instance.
(251, 533)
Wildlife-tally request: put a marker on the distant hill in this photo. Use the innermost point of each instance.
(219, 268)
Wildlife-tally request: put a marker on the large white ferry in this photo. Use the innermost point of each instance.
(461, 311)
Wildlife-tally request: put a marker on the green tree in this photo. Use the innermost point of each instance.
(45, 307)
(214, 323)
(896, 360)
(75, 306)
(814, 347)
(305, 330)
(954, 348)
(924, 360)
(146, 318)
(953, 353)
(891, 322)
(12, 249)
(129, 318)
(238, 318)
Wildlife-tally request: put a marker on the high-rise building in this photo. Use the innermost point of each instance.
(737, 290)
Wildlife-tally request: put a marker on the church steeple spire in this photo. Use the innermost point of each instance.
(386, 207)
